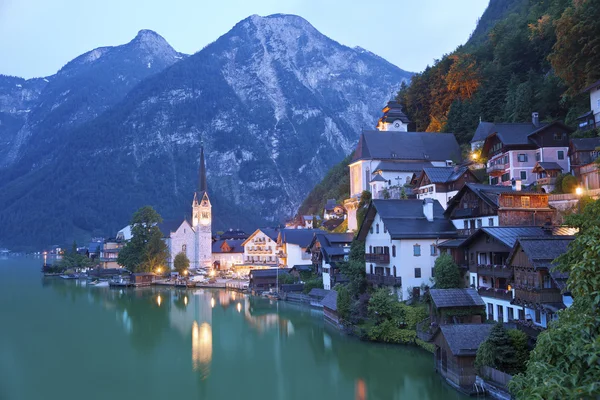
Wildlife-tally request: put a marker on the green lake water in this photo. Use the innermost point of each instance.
(62, 340)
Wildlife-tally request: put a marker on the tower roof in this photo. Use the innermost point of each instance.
(202, 185)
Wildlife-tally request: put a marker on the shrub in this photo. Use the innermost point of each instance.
(568, 184)
(447, 274)
(389, 332)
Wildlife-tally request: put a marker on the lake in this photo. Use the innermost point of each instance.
(60, 339)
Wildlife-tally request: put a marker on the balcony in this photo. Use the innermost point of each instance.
(500, 294)
(389, 280)
(495, 170)
(499, 271)
(546, 181)
(540, 296)
(377, 258)
(465, 232)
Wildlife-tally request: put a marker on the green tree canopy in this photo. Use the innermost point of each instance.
(181, 263)
(446, 273)
(565, 362)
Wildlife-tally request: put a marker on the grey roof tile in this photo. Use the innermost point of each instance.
(445, 298)
(482, 131)
(586, 144)
(465, 339)
(330, 300)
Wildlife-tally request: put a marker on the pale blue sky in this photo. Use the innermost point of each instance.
(37, 37)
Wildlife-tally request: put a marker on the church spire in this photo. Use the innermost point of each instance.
(202, 187)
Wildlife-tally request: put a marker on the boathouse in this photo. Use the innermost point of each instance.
(455, 350)
(329, 303)
(142, 278)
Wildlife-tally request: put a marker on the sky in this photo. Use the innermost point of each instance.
(38, 37)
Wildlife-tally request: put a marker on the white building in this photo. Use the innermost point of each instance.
(227, 253)
(442, 183)
(401, 238)
(293, 244)
(194, 239)
(591, 119)
(261, 250)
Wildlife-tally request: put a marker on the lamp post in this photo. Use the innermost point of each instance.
(579, 193)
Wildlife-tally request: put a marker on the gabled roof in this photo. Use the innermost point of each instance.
(318, 292)
(235, 244)
(170, 226)
(465, 339)
(586, 144)
(333, 244)
(300, 237)
(424, 146)
(269, 272)
(506, 235)
(392, 166)
(272, 233)
(546, 166)
(393, 111)
(487, 193)
(446, 298)
(330, 300)
(482, 131)
(520, 134)
(404, 219)
(378, 178)
(94, 247)
(590, 87)
(444, 174)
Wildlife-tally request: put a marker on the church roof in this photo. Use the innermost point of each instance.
(393, 111)
(166, 227)
(202, 183)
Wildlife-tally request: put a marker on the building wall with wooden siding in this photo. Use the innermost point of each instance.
(459, 371)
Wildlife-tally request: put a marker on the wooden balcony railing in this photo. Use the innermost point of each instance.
(390, 280)
(539, 295)
(500, 271)
(500, 294)
(377, 258)
(546, 181)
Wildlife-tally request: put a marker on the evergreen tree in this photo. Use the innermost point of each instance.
(135, 255)
(446, 273)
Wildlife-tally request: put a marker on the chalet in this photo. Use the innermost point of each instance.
(227, 253)
(456, 306)
(546, 174)
(584, 155)
(442, 183)
(94, 248)
(512, 150)
(401, 238)
(329, 303)
(293, 244)
(486, 254)
(591, 119)
(333, 210)
(260, 249)
(476, 206)
(327, 250)
(455, 351)
(540, 289)
(142, 278)
(484, 129)
(266, 279)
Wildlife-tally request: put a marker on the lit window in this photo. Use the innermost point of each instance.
(525, 201)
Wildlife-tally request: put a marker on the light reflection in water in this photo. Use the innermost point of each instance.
(239, 307)
(212, 302)
(158, 300)
(201, 348)
(360, 389)
(185, 300)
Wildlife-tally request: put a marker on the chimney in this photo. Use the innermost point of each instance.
(535, 119)
(516, 184)
(428, 209)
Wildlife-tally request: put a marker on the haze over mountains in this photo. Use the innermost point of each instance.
(275, 102)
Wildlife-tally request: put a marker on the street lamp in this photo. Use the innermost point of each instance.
(578, 191)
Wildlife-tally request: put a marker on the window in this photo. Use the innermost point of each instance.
(384, 229)
(494, 181)
(491, 222)
(371, 249)
(394, 252)
(433, 250)
(522, 157)
(417, 272)
(371, 229)
(376, 228)
(506, 177)
(417, 250)
(432, 272)
(523, 175)
(371, 269)
(537, 156)
(466, 224)
(506, 159)
(510, 313)
(394, 270)
(472, 224)
(490, 311)
(525, 201)
(521, 314)
(509, 201)
(184, 248)
(559, 136)
(500, 313)
(561, 155)
(538, 316)
(473, 281)
(479, 223)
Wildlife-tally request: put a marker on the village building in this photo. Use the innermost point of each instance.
(327, 250)
(293, 244)
(329, 303)
(456, 306)
(401, 239)
(591, 119)
(455, 351)
(546, 174)
(260, 249)
(386, 159)
(540, 290)
(513, 149)
(477, 205)
(192, 237)
(333, 210)
(484, 129)
(109, 252)
(266, 279)
(584, 155)
(227, 253)
(442, 183)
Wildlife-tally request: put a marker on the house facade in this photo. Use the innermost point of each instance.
(591, 119)
(442, 183)
(401, 238)
(227, 253)
(327, 250)
(584, 155)
(260, 249)
(512, 150)
(293, 244)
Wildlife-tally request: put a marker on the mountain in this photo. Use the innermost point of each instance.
(275, 102)
(38, 113)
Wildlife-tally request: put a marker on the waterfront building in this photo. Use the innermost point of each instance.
(442, 183)
(266, 279)
(293, 244)
(327, 250)
(109, 252)
(401, 239)
(456, 306)
(591, 119)
(192, 237)
(227, 253)
(260, 249)
(329, 303)
(513, 149)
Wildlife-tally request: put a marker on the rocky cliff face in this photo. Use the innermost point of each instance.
(275, 102)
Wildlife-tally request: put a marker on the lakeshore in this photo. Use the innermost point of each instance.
(163, 342)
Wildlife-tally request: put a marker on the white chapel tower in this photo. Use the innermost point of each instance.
(202, 219)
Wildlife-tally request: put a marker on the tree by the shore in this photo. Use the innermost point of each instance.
(181, 263)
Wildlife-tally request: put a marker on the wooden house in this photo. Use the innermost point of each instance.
(442, 183)
(584, 154)
(142, 278)
(329, 303)
(455, 350)
(265, 279)
(456, 306)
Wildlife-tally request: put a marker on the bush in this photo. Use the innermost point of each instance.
(519, 340)
(384, 306)
(313, 283)
(413, 314)
(568, 184)
(430, 347)
(389, 332)
(447, 274)
(344, 302)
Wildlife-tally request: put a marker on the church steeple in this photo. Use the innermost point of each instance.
(202, 186)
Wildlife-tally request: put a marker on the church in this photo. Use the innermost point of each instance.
(193, 238)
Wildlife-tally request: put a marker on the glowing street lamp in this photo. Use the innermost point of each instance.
(578, 191)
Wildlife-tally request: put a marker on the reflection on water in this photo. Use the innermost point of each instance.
(241, 347)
